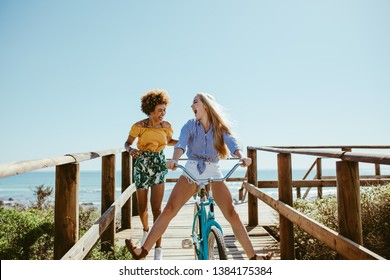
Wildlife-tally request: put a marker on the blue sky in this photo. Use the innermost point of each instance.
(288, 72)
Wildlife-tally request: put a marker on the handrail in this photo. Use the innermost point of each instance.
(349, 156)
(336, 147)
(20, 167)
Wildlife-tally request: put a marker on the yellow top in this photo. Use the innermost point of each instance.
(151, 138)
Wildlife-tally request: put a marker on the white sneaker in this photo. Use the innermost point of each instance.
(158, 253)
(144, 236)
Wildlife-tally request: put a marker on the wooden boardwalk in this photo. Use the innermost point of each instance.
(180, 229)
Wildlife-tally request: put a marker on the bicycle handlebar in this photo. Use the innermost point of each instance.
(208, 180)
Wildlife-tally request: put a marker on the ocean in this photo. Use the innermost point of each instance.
(20, 188)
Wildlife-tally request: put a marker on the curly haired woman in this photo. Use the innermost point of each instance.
(153, 134)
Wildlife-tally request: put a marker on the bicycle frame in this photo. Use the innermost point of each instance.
(205, 218)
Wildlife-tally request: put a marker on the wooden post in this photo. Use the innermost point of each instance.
(134, 196)
(242, 191)
(285, 195)
(348, 200)
(240, 194)
(253, 215)
(298, 190)
(66, 209)
(126, 181)
(319, 176)
(377, 169)
(108, 197)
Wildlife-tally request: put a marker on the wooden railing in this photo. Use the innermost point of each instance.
(348, 241)
(67, 245)
(320, 181)
(66, 210)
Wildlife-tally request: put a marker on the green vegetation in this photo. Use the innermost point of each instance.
(375, 220)
(28, 233)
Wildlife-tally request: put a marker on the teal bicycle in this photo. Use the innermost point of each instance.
(207, 234)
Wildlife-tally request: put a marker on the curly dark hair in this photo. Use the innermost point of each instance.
(153, 98)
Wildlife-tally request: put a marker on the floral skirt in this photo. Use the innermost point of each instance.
(149, 169)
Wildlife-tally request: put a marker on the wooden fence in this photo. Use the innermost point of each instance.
(67, 245)
(66, 210)
(348, 241)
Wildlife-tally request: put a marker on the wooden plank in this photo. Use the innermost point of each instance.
(322, 182)
(180, 229)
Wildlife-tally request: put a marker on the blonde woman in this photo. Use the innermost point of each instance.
(153, 134)
(207, 138)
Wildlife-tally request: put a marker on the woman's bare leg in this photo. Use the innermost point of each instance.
(142, 198)
(181, 193)
(156, 197)
(224, 200)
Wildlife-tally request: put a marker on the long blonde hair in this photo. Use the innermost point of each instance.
(221, 123)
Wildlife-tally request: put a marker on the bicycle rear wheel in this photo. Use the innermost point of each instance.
(216, 245)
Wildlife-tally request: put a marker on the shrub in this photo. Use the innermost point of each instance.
(41, 195)
(117, 253)
(26, 235)
(323, 211)
(87, 217)
(375, 222)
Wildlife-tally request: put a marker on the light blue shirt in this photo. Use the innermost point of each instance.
(200, 145)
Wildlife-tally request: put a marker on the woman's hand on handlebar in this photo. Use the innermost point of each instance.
(171, 164)
(246, 161)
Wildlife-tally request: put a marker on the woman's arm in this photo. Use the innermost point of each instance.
(168, 126)
(133, 152)
(172, 142)
(128, 143)
(245, 160)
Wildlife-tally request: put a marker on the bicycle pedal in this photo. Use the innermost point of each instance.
(186, 243)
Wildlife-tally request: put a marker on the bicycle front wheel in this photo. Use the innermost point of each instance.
(216, 245)
(197, 229)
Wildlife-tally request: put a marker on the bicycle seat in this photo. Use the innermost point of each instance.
(203, 192)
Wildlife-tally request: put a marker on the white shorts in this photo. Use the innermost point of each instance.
(212, 170)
